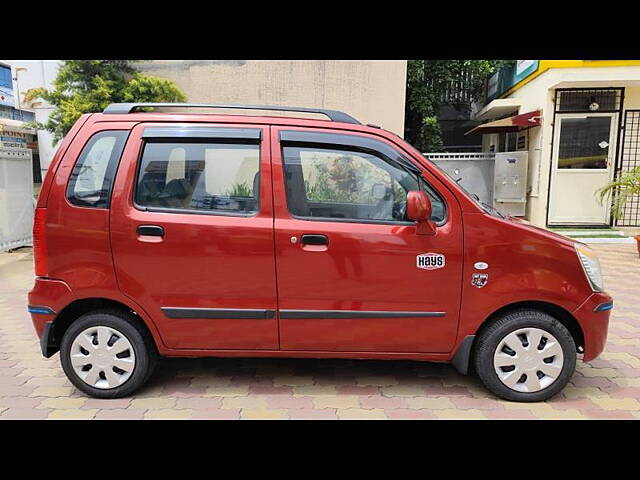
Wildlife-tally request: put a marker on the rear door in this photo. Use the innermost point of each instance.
(192, 233)
(353, 275)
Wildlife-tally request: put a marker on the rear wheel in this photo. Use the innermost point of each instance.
(105, 355)
(525, 356)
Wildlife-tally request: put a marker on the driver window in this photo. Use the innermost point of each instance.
(335, 183)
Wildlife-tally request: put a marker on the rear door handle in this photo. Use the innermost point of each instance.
(315, 240)
(151, 230)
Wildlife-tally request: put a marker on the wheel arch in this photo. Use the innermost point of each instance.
(79, 307)
(462, 358)
(559, 313)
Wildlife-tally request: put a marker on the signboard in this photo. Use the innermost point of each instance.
(13, 139)
(6, 87)
(508, 76)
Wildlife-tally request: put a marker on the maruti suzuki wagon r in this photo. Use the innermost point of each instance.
(171, 234)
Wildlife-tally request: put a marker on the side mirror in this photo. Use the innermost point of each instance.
(419, 210)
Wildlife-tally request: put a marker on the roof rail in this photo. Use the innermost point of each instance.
(333, 115)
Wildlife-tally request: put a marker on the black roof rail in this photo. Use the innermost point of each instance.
(333, 115)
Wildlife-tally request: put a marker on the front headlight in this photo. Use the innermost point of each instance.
(591, 267)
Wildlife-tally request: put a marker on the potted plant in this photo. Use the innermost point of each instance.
(623, 188)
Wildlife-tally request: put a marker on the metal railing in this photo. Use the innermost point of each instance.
(461, 156)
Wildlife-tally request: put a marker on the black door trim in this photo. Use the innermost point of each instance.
(337, 314)
(218, 313)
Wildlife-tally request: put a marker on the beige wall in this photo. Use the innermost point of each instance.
(373, 91)
(539, 94)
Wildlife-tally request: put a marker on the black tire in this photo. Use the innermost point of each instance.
(127, 324)
(490, 337)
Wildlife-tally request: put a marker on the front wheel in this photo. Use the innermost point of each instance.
(106, 355)
(525, 356)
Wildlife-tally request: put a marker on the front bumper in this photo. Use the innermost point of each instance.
(593, 316)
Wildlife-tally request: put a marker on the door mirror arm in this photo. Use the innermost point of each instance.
(425, 227)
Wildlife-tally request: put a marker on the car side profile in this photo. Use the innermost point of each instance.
(171, 234)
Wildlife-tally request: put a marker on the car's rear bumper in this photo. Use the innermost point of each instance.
(593, 316)
(47, 298)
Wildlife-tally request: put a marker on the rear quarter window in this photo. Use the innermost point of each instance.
(93, 174)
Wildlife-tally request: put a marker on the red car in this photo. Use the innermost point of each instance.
(193, 235)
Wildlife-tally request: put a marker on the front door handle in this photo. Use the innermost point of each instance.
(314, 239)
(151, 230)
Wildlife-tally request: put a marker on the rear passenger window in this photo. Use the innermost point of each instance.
(207, 177)
(92, 177)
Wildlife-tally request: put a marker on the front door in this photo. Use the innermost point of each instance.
(583, 162)
(192, 234)
(353, 274)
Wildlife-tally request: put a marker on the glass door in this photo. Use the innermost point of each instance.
(583, 160)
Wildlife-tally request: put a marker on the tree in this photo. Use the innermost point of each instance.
(434, 83)
(86, 86)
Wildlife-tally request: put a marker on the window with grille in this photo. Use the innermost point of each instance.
(588, 100)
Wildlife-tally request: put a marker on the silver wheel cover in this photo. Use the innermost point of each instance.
(102, 357)
(528, 360)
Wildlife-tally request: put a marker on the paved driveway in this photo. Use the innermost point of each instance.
(34, 387)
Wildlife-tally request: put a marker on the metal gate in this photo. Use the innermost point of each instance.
(630, 158)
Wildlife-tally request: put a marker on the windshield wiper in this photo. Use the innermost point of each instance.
(491, 209)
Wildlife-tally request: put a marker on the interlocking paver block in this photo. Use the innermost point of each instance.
(213, 414)
(288, 403)
(20, 402)
(341, 402)
(168, 414)
(403, 391)
(18, 391)
(153, 403)
(357, 390)
(386, 403)
(314, 391)
(252, 402)
(107, 403)
(361, 414)
(72, 414)
(228, 391)
(292, 380)
(304, 414)
(120, 414)
(203, 403)
(409, 414)
(438, 403)
(52, 392)
(608, 403)
(24, 414)
(375, 381)
(62, 403)
(460, 414)
(572, 392)
(263, 414)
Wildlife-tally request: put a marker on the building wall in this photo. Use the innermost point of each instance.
(370, 90)
(38, 73)
(539, 94)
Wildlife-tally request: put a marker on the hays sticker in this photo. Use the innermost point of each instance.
(430, 261)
